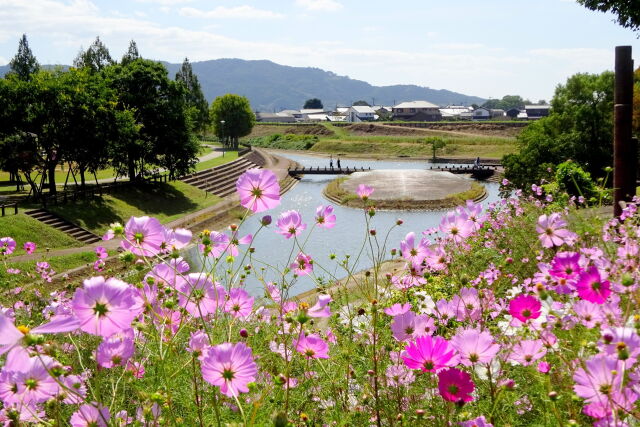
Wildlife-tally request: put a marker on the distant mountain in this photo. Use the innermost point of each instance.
(270, 86)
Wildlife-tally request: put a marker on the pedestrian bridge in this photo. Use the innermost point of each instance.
(478, 172)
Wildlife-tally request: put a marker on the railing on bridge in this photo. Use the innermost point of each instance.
(8, 206)
(325, 171)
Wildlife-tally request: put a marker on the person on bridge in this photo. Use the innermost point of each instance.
(331, 162)
(338, 162)
(477, 162)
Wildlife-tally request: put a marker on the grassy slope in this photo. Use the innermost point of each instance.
(167, 202)
(229, 156)
(26, 229)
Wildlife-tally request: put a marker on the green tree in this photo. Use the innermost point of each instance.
(628, 11)
(96, 57)
(436, 143)
(196, 102)
(579, 127)
(361, 102)
(132, 53)
(232, 118)
(24, 64)
(313, 103)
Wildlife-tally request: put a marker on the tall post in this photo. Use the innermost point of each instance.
(624, 150)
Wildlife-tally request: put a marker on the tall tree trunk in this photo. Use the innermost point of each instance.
(132, 168)
(52, 178)
(82, 181)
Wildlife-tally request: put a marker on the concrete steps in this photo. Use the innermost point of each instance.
(220, 180)
(63, 225)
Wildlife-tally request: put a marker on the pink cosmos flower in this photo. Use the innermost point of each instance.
(412, 252)
(290, 224)
(621, 342)
(437, 259)
(303, 265)
(601, 376)
(199, 295)
(455, 385)
(101, 252)
(455, 227)
(94, 415)
(29, 247)
(239, 303)
(399, 375)
(176, 239)
(13, 271)
(544, 367)
(234, 241)
(216, 245)
(481, 421)
(364, 191)
(143, 236)
(526, 352)
(258, 190)
(588, 313)
(475, 346)
(525, 307)
(311, 346)
(408, 325)
(591, 287)
(430, 354)
(274, 292)
(230, 367)
(115, 350)
(552, 232)
(11, 337)
(7, 245)
(198, 342)
(35, 384)
(325, 217)
(397, 309)
(104, 307)
(321, 308)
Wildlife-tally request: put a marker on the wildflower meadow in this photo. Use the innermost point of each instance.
(522, 312)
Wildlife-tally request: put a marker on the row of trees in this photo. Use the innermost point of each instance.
(100, 113)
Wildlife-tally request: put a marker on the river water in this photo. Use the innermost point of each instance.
(346, 238)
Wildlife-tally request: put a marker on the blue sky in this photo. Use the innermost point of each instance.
(490, 48)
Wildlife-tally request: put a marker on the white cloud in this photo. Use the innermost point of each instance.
(320, 5)
(221, 12)
(165, 2)
(3, 61)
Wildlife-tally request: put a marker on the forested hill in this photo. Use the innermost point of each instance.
(270, 86)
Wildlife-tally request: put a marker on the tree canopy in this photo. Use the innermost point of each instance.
(232, 118)
(627, 11)
(24, 64)
(196, 102)
(96, 57)
(313, 103)
(579, 128)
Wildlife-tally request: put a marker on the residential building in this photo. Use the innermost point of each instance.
(361, 113)
(417, 111)
(535, 112)
(275, 118)
(453, 112)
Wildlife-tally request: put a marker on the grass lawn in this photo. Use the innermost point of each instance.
(229, 156)
(165, 201)
(22, 228)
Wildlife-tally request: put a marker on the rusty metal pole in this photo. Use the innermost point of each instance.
(624, 151)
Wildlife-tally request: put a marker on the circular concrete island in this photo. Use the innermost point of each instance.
(406, 189)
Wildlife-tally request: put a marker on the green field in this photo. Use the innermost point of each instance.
(382, 141)
(23, 228)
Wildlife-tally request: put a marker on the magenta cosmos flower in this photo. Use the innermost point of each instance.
(143, 236)
(239, 303)
(475, 346)
(325, 217)
(364, 191)
(525, 307)
(592, 288)
(104, 307)
(199, 295)
(90, 416)
(321, 308)
(230, 367)
(551, 231)
(7, 246)
(311, 346)
(303, 265)
(430, 354)
(290, 224)
(258, 190)
(455, 385)
(29, 247)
